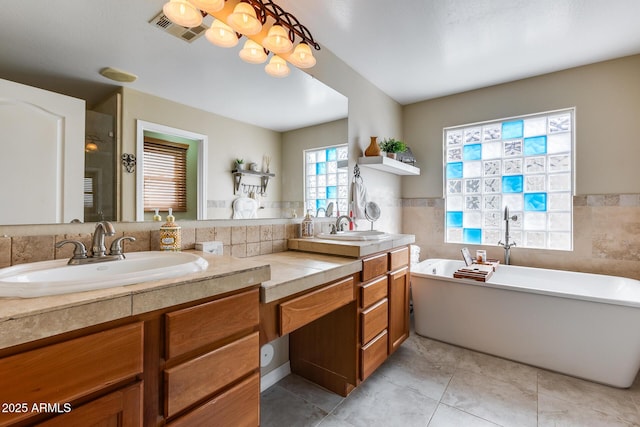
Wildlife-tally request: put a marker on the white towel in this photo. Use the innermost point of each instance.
(359, 198)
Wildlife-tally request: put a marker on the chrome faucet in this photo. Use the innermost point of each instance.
(506, 245)
(103, 228)
(98, 249)
(339, 226)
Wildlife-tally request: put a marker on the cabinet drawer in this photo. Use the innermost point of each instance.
(194, 327)
(238, 406)
(373, 292)
(203, 376)
(398, 258)
(374, 320)
(309, 307)
(374, 266)
(373, 354)
(68, 370)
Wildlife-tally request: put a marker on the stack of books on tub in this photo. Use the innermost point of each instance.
(480, 272)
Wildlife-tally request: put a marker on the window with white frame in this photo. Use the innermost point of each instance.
(525, 163)
(326, 179)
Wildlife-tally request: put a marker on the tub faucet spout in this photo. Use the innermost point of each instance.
(506, 245)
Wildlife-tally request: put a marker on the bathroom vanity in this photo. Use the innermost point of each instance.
(170, 352)
(184, 351)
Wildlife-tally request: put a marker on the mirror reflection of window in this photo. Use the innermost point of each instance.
(165, 175)
(326, 181)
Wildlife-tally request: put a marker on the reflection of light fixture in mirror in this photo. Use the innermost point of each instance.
(302, 56)
(221, 34)
(183, 13)
(129, 162)
(253, 53)
(277, 67)
(91, 143)
(277, 40)
(247, 19)
(208, 6)
(244, 19)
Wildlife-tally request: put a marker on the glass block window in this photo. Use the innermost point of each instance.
(326, 179)
(525, 163)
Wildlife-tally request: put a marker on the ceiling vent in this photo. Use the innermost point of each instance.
(163, 23)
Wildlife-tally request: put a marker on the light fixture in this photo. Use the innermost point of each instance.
(209, 6)
(282, 30)
(277, 67)
(244, 19)
(183, 13)
(118, 75)
(302, 56)
(277, 40)
(221, 34)
(252, 52)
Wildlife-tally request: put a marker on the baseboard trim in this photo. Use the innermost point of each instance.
(274, 376)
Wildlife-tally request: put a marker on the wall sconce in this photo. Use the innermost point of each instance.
(129, 162)
(263, 22)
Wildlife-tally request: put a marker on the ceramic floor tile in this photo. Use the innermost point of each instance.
(491, 399)
(279, 407)
(446, 416)
(410, 369)
(310, 392)
(523, 376)
(554, 412)
(435, 352)
(609, 400)
(378, 402)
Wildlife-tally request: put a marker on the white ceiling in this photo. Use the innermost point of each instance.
(411, 49)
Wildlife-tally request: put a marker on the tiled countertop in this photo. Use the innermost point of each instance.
(293, 272)
(281, 274)
(28, 319)
(351, 248)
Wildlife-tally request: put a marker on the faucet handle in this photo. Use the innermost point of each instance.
(116, 245)
(79, 251)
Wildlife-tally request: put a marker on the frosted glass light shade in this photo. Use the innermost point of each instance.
(182, 13)
(302, 57)
(221, 34)
(277, 40)
(252, 52)
(277, 67)
(244, 20)
(208, 6)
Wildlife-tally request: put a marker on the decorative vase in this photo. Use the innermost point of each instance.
(391, 155)
(373, 149)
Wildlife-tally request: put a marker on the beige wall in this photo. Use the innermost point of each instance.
(228, 139)
(607, 100)
(607, 205)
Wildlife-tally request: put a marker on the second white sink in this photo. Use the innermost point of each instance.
(56, 277)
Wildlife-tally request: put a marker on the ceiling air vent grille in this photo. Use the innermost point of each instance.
(163, 23)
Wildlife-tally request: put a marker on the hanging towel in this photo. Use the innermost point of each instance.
(358, 195)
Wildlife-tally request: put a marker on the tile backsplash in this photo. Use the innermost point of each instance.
(606, 236)
(238, 239)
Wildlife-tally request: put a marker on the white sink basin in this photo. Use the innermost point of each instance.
(56, 277)
(354, 235)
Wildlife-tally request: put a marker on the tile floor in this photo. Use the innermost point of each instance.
(429, 383)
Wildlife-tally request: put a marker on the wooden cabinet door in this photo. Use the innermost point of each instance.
(121, 408)
(398, 308)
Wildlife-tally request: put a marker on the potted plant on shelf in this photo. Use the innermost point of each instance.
(239, 164)
(392, 146)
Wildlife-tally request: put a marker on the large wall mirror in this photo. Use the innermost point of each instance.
(195, 87)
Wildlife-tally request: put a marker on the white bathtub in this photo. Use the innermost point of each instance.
(580, 324)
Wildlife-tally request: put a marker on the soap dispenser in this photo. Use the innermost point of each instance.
(156, 216)
(170, 234)
(306, 228)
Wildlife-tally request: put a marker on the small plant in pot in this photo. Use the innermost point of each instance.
(392, 146)
(239, 164)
